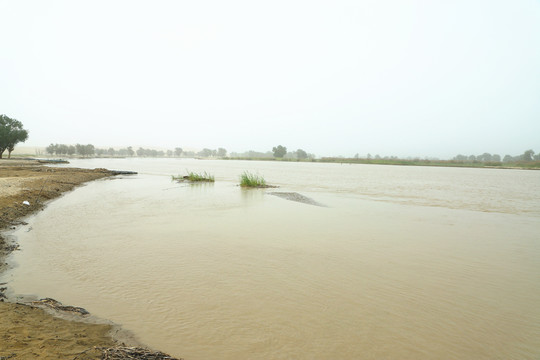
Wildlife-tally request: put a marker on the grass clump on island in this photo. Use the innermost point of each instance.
(195, 177)
(250, 180)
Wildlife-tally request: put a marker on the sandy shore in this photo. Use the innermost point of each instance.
(28, 331)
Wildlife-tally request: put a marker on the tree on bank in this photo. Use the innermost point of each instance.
(279, 151)
(206, 152)
(528, 155)
(301, 154)
(221, 152)
(11, 133)
(85, 150)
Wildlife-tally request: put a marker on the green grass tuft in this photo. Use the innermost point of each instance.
(195, 177)
(251, 180)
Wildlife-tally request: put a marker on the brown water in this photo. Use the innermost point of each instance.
(402, 263)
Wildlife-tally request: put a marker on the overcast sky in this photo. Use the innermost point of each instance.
(389, 77)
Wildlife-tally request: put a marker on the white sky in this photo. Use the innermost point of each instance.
(389, 77)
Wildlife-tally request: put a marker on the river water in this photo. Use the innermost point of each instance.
(399, 263)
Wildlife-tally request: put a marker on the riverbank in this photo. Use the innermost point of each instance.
(518, 165)
(30, 332)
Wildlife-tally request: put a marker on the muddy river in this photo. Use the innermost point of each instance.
(346, 262)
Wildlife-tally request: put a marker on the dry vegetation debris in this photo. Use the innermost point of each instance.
(125, 353)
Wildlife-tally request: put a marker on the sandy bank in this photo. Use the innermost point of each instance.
(28, 332)
(25, 187)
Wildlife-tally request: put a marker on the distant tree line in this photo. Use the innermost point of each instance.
(141, 152)
(528, 155)
(252, 154)
(90, 150)
(124, 152)
(11, 133)
(278, 152)
(63, 149)
(220, 152)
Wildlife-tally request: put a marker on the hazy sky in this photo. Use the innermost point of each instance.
(388, 77)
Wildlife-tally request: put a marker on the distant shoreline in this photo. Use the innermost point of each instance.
(518, 165)
(533, 165)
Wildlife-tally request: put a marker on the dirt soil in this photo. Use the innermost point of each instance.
(29, 332)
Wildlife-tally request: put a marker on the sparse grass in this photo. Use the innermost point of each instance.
(195, 177)
(251, 180)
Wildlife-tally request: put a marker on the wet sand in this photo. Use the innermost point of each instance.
(26, 331)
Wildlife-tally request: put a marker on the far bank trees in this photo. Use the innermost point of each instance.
(279, 151)
(11, 133)
(527, 156)
(90, 150)
(301, 154)
(63, 149)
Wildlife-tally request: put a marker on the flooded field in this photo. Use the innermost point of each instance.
(384, 262)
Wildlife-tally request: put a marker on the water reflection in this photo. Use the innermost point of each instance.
(251, 195)
(200, 186)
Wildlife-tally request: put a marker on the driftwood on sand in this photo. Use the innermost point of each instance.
(125, 353)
